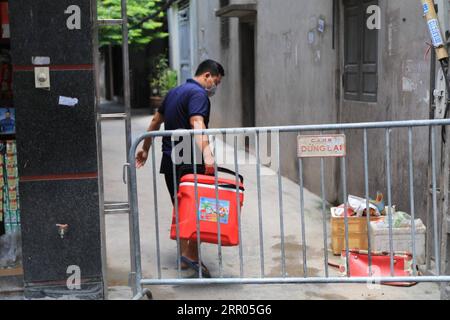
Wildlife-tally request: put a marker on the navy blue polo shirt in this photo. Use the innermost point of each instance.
(180, 104)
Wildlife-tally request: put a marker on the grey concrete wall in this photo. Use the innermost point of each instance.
(294, 80)
(227, 109)
(403, 95)
(298, 82)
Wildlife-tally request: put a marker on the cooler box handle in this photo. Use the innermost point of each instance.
(189, 169)
(228, 171)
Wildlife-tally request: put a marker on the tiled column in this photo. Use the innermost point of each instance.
(56, 147)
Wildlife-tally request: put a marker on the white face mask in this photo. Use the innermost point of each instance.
(212, 91)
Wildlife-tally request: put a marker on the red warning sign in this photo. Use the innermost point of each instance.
(322, 146)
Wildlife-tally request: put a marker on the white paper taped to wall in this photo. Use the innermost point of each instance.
(42, 61)
(66, 101)
(435, 32)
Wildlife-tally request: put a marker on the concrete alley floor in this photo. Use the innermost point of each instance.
(117, 236)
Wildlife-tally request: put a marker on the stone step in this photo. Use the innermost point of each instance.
(11, 287)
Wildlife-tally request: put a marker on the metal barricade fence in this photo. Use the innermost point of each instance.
(439, 276)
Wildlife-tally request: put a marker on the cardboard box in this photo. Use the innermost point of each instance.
(357, 232)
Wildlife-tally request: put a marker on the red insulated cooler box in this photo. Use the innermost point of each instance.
(205, 209)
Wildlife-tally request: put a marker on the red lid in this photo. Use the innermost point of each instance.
(204, 179)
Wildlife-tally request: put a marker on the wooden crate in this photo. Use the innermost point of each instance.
(357, 233)
(18, 271)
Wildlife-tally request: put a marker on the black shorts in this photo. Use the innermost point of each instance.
(167, 171)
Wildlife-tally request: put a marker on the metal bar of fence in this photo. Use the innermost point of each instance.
(134, 224)
(411, 196)
(445, 230)
(283, 279)
(280, 199)
(219, 231)
(140, 295)
(155, 202)
(194, 152)
(260, 213)
(324, 217)
(116, 211)
(429, 232)
(281, 129)
(135, 274)
(388, 176)
(176, 207)
(435, 214)
(366, 187)
(236, 166)
(288, 280)
(302, 217)
(113, 116)
(117, 205)
(344, 191)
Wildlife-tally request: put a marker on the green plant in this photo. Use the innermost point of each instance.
(163, 79)
(169, 80)
(140, 34)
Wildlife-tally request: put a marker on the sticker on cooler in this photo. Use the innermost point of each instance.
(208, 210)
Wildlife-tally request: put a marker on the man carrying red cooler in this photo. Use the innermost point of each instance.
(186, 107)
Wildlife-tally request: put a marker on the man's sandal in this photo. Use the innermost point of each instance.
(195, 266)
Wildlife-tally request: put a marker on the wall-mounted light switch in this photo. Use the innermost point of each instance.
(42, 77)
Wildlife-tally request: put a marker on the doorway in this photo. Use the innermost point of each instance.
(247, 58)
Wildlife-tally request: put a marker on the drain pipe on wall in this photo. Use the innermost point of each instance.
(434, 27)
(439, 39)
(440, 44)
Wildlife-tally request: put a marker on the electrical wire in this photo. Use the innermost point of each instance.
(445, 69)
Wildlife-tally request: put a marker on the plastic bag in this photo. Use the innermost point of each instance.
(10, 250)
(359, 206)
(399, 220)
